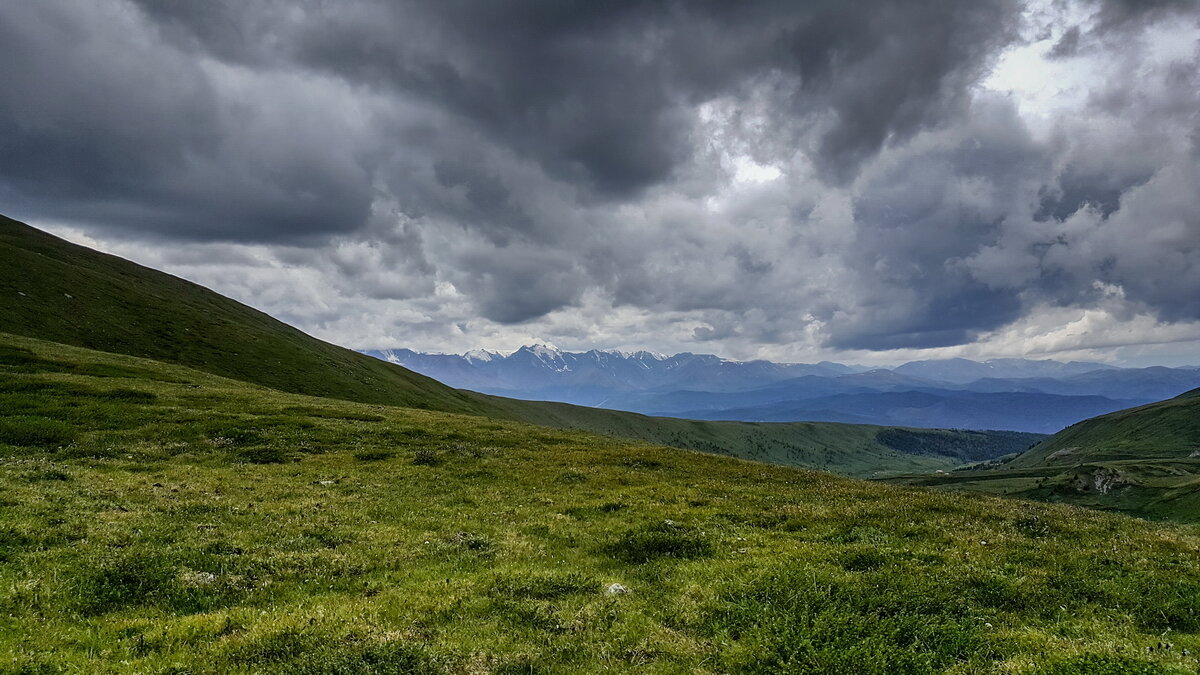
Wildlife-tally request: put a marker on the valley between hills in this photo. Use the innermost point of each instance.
(189, 485)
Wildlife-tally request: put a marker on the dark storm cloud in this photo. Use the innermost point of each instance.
(919, 215)
(102, 121)
(599, 92)
(964, 237)
(523, 157)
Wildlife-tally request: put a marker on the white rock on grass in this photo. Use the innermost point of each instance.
(615, 589)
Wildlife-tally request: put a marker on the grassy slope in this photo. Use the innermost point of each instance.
(1165, 430)
(1138, 461)
(53, 290)
(158, 519)
(852, 449)
(58, 291)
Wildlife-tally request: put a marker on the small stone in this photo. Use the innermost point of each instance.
(324, 482)
(615, 589)
(193, 579)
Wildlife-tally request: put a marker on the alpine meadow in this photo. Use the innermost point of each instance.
(484, 337)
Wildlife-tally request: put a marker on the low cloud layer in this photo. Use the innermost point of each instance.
(756, 179)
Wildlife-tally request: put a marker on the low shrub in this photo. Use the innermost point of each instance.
(661, 540)
(127, 396)
(35, 432)
(1103, 664)
(794, 621)
(543, 586)
(130, 579)
(427, 457)
(373, 455)
(864, 560)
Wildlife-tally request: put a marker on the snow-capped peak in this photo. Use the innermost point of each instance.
(656, 356)
(640, 355)
(544, 351)
(482, 355)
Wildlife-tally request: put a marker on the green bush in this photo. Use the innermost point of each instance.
(1093, 664)
(373, 455)
(11, 541)
(47, 474)
(661, 540)
(129, 579)
(794, 622)
(864, 560)
(35, 432)
(126, 396)
(543, 586)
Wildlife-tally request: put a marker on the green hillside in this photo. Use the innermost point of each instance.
(159, 519)
(1167, 430)
(58, 291)
(1144, 461)
(860, 450)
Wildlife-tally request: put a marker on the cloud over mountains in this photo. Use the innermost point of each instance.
(763, 176)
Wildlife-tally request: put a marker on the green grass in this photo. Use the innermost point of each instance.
(152, 539)
(1165, 430)
(859, 450)
(1137, 461)
(54, 290)
(57, 291)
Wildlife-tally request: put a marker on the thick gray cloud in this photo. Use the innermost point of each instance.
(598, 92)
(104, 121)
(748, 175)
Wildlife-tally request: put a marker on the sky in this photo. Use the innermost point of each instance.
(870, 181)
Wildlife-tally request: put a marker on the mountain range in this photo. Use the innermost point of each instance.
(59, 292)
(1040, 396)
